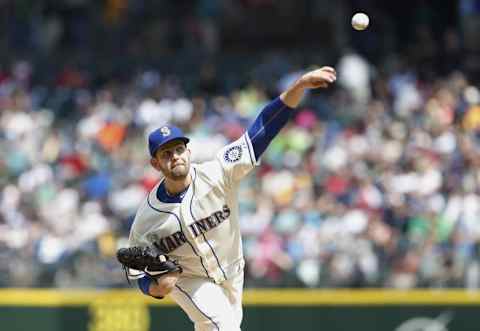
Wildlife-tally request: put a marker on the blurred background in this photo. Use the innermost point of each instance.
(374, 183)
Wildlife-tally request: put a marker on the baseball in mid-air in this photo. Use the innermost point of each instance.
(360, 21)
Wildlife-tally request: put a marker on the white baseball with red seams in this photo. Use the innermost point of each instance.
(360, 21)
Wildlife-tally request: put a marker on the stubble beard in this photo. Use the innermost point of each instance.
(179, 172)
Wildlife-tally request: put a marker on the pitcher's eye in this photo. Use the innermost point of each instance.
(166, 155)
(180, 149)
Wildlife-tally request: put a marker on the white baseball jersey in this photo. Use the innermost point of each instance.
(202, 232)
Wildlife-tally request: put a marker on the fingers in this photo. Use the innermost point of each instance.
(320, 78)
(330, 77)
(329, 74)
(329, 69)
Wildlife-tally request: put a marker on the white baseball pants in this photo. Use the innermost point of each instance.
(210, 306)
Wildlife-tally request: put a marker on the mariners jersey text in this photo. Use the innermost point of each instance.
(210, 222)
(177, 239)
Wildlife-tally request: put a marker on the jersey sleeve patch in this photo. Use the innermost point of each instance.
(236, 158)
(233, 154)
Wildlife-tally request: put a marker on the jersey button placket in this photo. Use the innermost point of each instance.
(198, 240)
(209, 258)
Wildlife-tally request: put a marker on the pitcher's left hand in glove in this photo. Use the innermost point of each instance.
(145, 259)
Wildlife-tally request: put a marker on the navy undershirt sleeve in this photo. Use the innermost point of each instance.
(144, 285)
(267, 125)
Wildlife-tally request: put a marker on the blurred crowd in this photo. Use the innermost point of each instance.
(373, 183)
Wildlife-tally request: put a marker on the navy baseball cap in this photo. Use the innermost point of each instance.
(163, 135)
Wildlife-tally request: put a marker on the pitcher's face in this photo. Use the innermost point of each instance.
(173, 160)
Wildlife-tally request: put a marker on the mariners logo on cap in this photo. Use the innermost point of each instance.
(165, 130)
(233, 154)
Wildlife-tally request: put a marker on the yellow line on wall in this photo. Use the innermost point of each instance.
(266, 297)
(294, 297)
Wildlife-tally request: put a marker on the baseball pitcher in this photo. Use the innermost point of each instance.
(185, 241)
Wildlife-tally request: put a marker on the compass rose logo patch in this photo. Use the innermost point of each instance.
(233, 154)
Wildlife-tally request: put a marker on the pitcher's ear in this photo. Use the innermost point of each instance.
(154, 163)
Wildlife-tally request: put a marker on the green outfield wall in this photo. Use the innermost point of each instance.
(265, 310)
